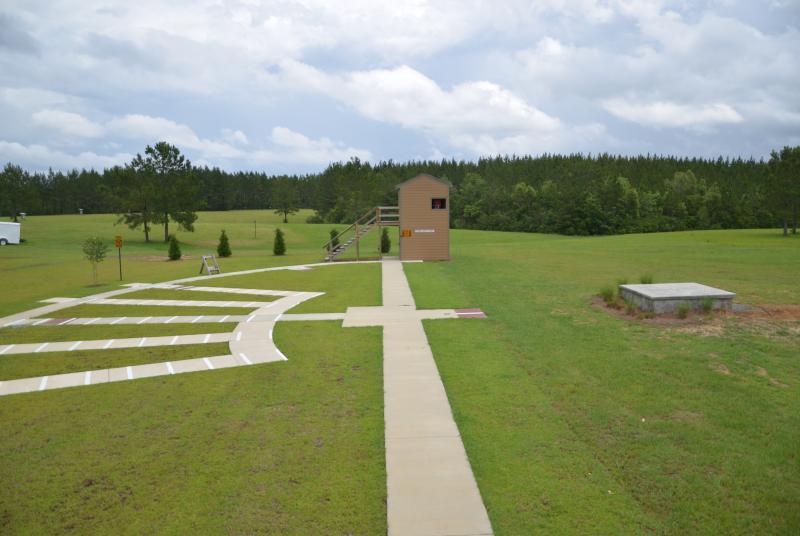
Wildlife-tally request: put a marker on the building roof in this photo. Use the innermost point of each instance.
(424, 176)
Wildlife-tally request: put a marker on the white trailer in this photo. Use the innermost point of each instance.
(9, 233)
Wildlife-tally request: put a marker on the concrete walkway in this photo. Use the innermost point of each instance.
(202, 319)
(430, 485)
(113, 344)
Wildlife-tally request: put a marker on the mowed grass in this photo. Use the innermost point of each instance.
(50, 263)
(198, 296)
(29, 334)
(578, 422)
(93, 310)
(293, 447)
(47, 363)
(344, 285)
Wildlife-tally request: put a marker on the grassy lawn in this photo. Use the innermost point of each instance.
(282, 448)
(579, 422)
(344, 285)
(169, 294)
(93, 310)
(29, 334)
(53, 245)
(31, 365)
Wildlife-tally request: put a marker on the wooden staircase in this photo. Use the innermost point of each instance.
(376, 217)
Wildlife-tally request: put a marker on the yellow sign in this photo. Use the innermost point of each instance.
(406, 233)
(118, 241)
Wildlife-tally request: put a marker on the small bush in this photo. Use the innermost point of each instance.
(646, 279)
(334, 240)
(386, 243)
(279, 247)
(609, 295)
(707, 305)
(622, 281)
(174, 249)
(315, 218)
(224, 247)
(631, 308)
(683, 310)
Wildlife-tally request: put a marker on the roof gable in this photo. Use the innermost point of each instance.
(423, 176)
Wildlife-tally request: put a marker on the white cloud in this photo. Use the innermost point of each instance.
(234, 136)
(671, 114)
(68, 123)
(291, 146)
(39, 157)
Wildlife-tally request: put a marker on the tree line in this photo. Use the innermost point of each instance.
(568, 194)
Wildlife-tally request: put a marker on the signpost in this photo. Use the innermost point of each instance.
(118, 243)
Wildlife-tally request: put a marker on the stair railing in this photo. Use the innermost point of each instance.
(367, 220)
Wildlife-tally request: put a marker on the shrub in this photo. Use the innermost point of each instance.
(315, 218)
(622, 281)
(94, 249)
(174, 249)
(646, 279)
(224, 247)
(386, 243)
(707, 305)
(631, 308)
(683, 310)
(279, 247)
(608, 294)
(334, 240)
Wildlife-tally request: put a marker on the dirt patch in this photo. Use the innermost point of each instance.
(722, 369)
(762, 372)
(773, 312)
(686, 416)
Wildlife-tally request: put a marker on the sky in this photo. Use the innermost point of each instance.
(288, 86)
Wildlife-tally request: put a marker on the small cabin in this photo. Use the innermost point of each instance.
(424, 218)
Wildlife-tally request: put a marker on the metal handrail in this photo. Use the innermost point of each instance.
(372, 212)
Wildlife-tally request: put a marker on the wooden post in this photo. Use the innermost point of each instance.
(380, 245)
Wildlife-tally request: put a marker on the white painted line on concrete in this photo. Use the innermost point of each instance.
(281, 354)
(87, 378)
(141, 343)
(7, 348)
(278, 317)
(15, 322)
(174, 339)
(143, 320)
(171, 319)
(208, 336)
(68, 321)
(169, 368)
(208, 363)
(224, 318)
(120, 319)
(71, 348)
(43, 383)
(250, 318)
(239, 336)
(92, 321)
(42, 347)
(196, 319)
(227, 304)
(42, 321)
(108, 344)
(249, 304)
(129, 371)
(244, 358)
(270, 333)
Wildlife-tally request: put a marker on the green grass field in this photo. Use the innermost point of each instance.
(575, 421)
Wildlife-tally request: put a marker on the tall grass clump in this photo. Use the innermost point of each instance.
(707, 305)
(683, 310)
(646, 279)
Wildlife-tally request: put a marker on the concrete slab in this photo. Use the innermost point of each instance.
(667, 297)
(59, 381)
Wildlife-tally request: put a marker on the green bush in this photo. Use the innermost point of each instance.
(646, 279)
(608, 294)
(279, 247)
(386, 243)
(95, 249)
(631, 308)
(622, 281)
(683, 310)
(334, 240)
(707, 305)
(224, 247)
(174, 249)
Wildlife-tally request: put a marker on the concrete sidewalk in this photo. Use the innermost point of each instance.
(430, 485)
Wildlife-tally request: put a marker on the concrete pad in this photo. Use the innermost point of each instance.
(149, 370)
(428, 483)
(119, 374)
(24, 385)
(58, 300)
(667, 297)
(59, 381)
(224, 361)
(312, 316)
(188, 365)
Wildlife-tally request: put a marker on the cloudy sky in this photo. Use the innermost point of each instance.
(288, 86)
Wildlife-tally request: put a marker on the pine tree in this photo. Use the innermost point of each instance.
(223, 248)
(174, 248)
(334, 240)
(386, 243)
(279, 248)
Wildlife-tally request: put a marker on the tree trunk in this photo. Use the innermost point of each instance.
(146, 228)
(794, 219)
(785, 226)
(285, 217)
(166, 227)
